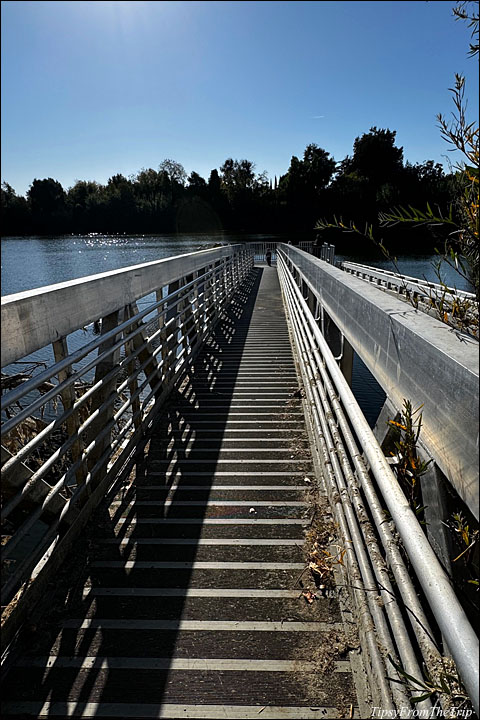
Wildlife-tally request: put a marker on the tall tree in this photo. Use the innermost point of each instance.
(15, 212)
(197, 184)
(84, 201)
(47, 202)
(376, 157)
(318, 168)
(175, 171)
(302, 188)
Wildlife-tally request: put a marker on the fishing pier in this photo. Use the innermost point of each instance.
(197, 519)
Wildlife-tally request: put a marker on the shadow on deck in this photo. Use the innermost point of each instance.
(148, 607)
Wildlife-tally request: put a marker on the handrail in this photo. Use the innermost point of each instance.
(57, 310)
(391, 279)
(330, 396)
(458, 307)
(411, 355)
(107, 392)
(259, 249)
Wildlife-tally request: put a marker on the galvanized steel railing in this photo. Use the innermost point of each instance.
(400, 283)
(259, 249)
(73, 428)
(383, 557)
(460, 306)
(327, 252)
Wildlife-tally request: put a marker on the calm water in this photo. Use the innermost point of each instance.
(34, 262)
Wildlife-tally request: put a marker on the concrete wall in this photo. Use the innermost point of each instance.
(413, 356)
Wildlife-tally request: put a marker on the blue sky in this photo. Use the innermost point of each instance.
(90, 89)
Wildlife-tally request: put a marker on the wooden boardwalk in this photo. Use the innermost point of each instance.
(183, 600)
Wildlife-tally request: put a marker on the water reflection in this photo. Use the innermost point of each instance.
(32, 262)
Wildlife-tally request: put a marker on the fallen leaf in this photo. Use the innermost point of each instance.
(316, 569)
(309, 596)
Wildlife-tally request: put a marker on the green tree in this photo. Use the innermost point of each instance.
(175, 171)
(305, 179)
(84, 201)
(150, 189)
(47, 201)
(120, 207)
(214, 183)
(376, 158)
(15, 211)
(301, 191)
(461, 249)
(237, 178)
(318, 169)
(197, 184)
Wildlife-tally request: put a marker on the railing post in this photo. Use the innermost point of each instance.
(161, 325)
(145, 355)
(132, 382)
(191, 322)
(60, 351)
(110, 322)
(172, 328)
(182, 315)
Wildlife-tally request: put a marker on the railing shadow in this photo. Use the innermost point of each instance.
(195, 413)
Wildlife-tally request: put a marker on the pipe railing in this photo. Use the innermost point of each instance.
(399, 282)
(361, 485)
(259, 249)
(460, 306)
(73, 428)
(326, 252)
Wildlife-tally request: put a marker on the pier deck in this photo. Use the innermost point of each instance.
(184, 598)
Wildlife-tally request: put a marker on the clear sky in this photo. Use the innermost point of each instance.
(91, 89)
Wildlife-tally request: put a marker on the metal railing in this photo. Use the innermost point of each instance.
(411, 355)
(428, 296)
(387, 561)
(327, 252)
(259, 249)
(73, 428)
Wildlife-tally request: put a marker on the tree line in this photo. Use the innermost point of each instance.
(234, 198)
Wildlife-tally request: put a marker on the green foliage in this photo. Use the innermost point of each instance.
(465, 537)
(196, 184)
(409, 467)
(446, 685)
(463, 136)
(465, 10)
(174, 170)
(306, 178)
(47, 202)
(376, 158)
(234, 198)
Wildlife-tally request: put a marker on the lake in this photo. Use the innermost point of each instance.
(32, 262)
